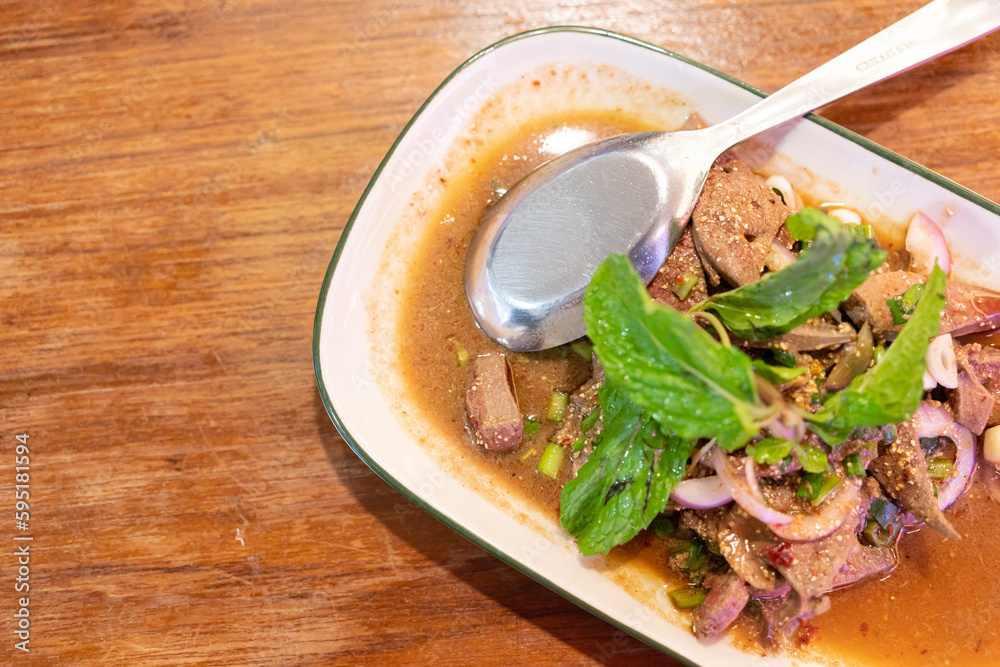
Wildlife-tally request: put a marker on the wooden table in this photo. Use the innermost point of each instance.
(173, 180)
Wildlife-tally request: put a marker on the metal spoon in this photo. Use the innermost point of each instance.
(536, 251)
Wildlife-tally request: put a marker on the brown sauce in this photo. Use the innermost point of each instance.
(941, 606)
(990, 338)
(435, 316)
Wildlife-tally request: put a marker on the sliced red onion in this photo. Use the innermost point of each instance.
(932, 420)
(699, 457)
(745, 492)
(799, 527)
(941, 363)
(701, 493)
(926, 244)
(833, 512)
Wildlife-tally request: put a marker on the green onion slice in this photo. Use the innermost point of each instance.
(557, 406)
(687, 598)
(551, 460)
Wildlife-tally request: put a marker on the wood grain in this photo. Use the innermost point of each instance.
(174, 176)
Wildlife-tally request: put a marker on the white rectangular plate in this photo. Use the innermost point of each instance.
(813, 153)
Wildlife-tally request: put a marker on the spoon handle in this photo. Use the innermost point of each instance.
(933, 30)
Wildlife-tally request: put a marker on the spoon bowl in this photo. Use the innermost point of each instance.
(629, 194)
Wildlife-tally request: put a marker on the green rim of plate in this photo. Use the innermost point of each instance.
(881, 151)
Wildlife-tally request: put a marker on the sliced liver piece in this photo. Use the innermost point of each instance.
(727, 595)
(703, 522)
(901, 469)
(812, 567)
(734, 222)
(743, 541)
(970, 309)
(970, 402)
(864, 562)
(682, 263)
(985, 365)
(815, 334)
(494, 418)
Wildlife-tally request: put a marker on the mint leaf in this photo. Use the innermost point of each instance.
(627, 480)
(777, 375)
(770, 450)
(824, 275)
(890, 392)
(812, 458)
(689, 383)
(802, 226)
